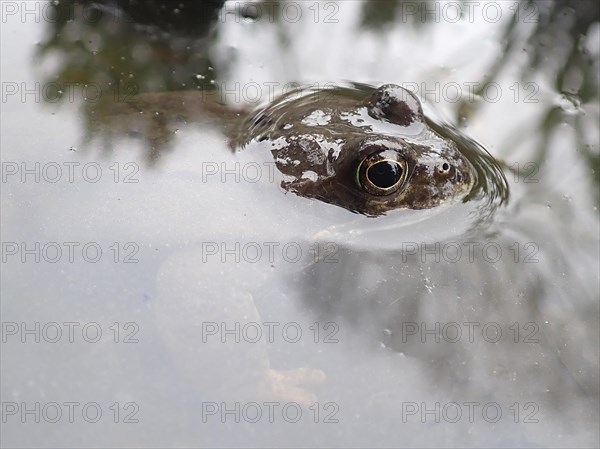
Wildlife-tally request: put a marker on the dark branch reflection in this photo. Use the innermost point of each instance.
(554, 48)
(377, 14)
(124, 49)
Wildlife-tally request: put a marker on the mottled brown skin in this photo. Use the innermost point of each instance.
(319, 139)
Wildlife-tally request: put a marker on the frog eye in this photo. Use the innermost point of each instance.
(381, 173)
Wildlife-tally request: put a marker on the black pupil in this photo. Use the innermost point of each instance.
(384, 174)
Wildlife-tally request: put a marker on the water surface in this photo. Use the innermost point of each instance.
(486, 305)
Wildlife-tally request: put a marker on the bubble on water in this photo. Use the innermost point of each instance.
(570, 103)
(428, 284)
(199, 76)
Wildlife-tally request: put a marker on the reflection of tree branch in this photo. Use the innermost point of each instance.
(112, 51)
(125, 47)
(592, 157)
(575, 76)
(376, 14)
(156, 117)
(193, 18)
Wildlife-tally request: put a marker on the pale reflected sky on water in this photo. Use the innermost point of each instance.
(132, 236)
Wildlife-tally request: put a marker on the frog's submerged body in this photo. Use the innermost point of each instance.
(402, 300)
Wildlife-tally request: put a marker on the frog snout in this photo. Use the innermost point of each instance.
(457, 173)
